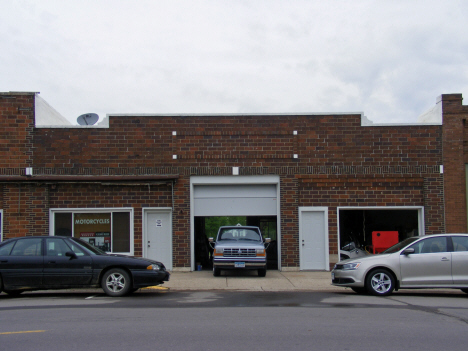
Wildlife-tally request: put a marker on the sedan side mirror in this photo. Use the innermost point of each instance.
(408, 251)
(71, 254)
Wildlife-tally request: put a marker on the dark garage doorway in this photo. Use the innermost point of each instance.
(206, 227)
(357, 226)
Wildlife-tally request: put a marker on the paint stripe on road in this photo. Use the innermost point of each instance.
(24, 332)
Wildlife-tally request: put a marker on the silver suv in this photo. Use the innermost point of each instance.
(239, 247)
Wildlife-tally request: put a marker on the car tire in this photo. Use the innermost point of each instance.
(13, 292)
(216, 272)
(116, 282)
(380, 282)
(360, 291)
(464, 290)
(262, 272)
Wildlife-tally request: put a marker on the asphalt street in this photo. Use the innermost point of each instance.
(168, 319)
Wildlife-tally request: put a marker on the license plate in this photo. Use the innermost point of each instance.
(239, 264)
(333, 276)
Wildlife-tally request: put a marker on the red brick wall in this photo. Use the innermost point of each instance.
(455, 156)
(289, 222)
(249, 141)
(181, 223)
(16, 126)
(25, 210)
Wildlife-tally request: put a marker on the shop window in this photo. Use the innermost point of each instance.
(109, 231)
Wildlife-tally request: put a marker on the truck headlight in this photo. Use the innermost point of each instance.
(261, 252)
(218, 252)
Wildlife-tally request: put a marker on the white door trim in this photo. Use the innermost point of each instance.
(144, 236)
(301, 233)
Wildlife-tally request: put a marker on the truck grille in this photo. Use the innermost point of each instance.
(239, 252)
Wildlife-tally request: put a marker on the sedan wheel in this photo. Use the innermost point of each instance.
(464, 290)
(116, 282)
(380, 282)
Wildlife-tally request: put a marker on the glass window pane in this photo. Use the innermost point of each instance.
(27, 247)
(56, 247)
(63, 224)
(76, 249)
(121, 231)
(431, 245)
(6, 249)
(460, 243)
(94, 228)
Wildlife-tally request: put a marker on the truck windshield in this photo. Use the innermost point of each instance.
(238, 234)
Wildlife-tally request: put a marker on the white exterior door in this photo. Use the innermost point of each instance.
(313, 238)
(157, 238)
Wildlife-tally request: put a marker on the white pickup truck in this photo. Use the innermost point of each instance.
(239, 247)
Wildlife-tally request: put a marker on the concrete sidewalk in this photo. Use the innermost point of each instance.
(249, 280)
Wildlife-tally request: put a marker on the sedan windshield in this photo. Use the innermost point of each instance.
(402, 244)
(92, 249)
(241, 234)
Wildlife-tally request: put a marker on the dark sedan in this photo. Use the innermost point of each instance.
(53, 262)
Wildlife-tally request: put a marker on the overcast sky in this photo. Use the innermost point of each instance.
(387, 59)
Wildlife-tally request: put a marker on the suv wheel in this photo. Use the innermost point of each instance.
(380, 282)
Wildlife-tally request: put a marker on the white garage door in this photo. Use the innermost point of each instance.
(235, 200)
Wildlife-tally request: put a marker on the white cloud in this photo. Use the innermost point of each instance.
(388, 59)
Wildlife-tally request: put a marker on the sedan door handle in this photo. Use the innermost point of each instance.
(445, 259)
(51, 262)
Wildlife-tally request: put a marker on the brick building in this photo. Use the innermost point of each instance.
(147, 185)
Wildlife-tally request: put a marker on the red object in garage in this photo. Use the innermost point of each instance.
(381, 241)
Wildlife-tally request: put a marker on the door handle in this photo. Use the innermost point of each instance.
(52, 262)
(445, 259)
